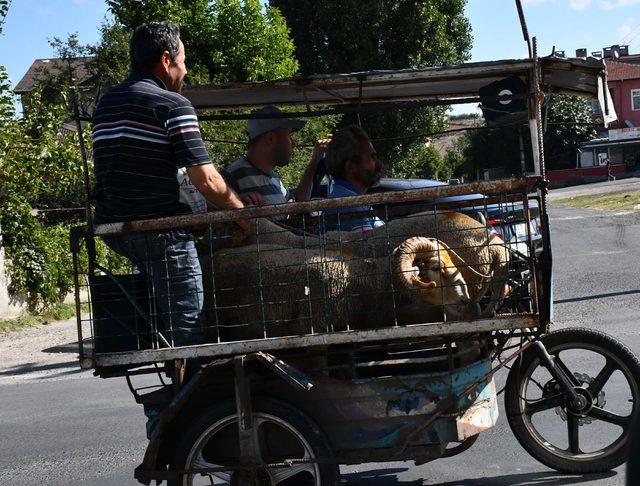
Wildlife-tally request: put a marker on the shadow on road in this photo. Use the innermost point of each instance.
(379, 477)
(530, 479)
(63, 348)
(27, 368)
(386, 477)
(597, 296)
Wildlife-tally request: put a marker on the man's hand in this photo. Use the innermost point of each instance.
(318, 151)
(252, 199)
(303, 192)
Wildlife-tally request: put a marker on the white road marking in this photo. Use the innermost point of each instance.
(607, 252)
(567, 218)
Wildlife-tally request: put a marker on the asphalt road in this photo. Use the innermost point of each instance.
(59, 426)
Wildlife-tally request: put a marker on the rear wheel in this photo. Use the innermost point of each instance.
(589, 437)
(283, 434)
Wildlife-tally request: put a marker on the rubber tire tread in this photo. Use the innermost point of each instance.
(329, 473)
(511, 399)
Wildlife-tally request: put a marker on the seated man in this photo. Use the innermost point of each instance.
(354, 165)
(270, 145)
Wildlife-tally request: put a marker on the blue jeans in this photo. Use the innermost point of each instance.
(170, 261)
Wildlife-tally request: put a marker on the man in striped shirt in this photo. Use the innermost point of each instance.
(143, 132)
(270, 146)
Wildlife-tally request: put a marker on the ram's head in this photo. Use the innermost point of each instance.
(424, 266)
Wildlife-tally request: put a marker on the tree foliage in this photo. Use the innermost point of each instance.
(496, 148)
(569, 121)
(40, 178)
(226, 40)
(568, 124)
(351, 35)
(4, 9)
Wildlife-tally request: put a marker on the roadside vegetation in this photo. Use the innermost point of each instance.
(55, 313)
(622, 201)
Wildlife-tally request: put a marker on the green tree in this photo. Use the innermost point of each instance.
(456, 161)
(226, 40)
(569, 124)
(351, 35)
(495, 148)
(4, 9)
(421, 162)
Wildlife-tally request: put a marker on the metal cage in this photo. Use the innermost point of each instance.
(290, 283)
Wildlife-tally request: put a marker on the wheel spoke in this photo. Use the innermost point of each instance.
(543, 404)
(610, 417)
(259, 438)
(560, 364)
(573, 426)
(281, 474)
(201, 463)
(599, 381)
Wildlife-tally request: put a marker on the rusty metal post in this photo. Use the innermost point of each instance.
(247, 434)
(91, 249)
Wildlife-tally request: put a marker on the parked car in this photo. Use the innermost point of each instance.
(505, 219)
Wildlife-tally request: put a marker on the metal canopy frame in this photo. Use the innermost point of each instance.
(442, 85)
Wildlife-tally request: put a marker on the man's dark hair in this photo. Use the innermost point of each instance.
(149, 41)
(345, 145)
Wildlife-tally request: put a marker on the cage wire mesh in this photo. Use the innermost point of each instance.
(453, 259)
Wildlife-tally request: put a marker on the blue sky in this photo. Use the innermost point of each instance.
(567, 24)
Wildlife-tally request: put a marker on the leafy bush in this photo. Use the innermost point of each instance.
(420, 161)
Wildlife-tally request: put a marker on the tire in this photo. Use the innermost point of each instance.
(543, 420)
(284, 433)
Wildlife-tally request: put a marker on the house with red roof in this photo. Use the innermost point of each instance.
(624, 86)
(619, 143)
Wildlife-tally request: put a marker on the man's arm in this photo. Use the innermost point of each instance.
(184, 134)
(213, 187)
(303, 191)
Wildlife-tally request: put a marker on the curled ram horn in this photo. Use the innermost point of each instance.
(407, 274)
(445, 286)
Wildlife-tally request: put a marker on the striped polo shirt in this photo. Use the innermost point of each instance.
(142, 134)
(244, 177)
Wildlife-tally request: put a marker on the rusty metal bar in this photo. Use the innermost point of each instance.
(482, 187)
(287, 372)
(523, 25)
(75, 249)
(169, 413)
(247, 438)
(438, 329)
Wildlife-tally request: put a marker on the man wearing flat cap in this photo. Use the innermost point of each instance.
(254, 176)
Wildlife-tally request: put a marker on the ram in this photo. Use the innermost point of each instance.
(480, 255)
(271, 290)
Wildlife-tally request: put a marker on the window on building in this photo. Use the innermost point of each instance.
(635, 99)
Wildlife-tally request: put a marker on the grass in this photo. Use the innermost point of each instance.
(622, 201)
(56, 313)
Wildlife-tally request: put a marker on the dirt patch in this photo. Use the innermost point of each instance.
(38, 353)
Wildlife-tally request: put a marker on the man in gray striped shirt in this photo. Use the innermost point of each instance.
(271, 145)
